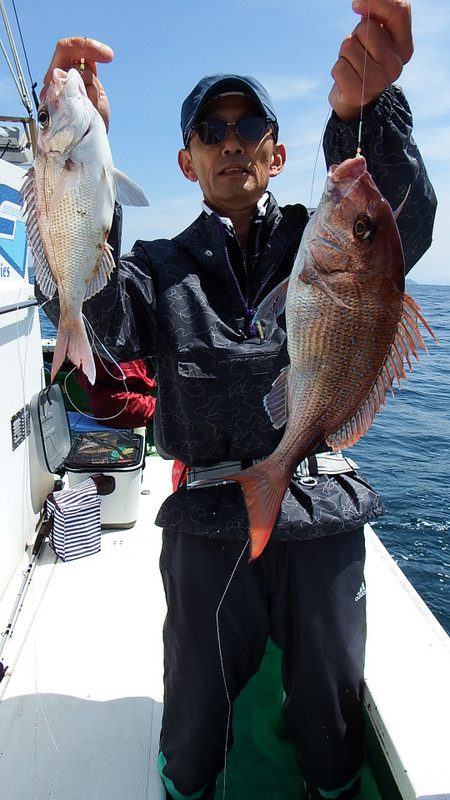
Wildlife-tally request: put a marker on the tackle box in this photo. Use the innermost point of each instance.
(116, 452)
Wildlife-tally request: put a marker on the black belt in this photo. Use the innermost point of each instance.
(327, 463)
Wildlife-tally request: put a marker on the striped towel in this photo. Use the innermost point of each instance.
(76, 521)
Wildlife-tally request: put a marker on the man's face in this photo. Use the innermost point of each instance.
(233, 174)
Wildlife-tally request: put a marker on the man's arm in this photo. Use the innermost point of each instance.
(369, 60)
(395, 164)
(372, 57)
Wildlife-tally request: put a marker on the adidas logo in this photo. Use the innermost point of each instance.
(361, 592)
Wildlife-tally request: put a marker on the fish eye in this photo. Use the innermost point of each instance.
(364, 228)
(43, 118)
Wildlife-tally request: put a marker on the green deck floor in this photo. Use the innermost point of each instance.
(261, 765)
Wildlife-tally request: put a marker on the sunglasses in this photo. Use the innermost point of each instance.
(249, 129)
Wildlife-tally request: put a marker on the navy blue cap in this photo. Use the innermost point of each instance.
(213, 86)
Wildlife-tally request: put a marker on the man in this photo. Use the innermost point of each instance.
(190, 301)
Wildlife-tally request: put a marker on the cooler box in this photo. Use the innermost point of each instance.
(119, 453)
(116, 452)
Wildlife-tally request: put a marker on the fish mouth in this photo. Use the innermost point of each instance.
(344, 177)
(70, 82)
(349, 170)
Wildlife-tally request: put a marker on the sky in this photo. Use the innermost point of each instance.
(161, 51)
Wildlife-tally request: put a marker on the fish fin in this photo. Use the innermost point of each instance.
(102, 274)
(72, 343)
(399, 210)
(42, 270)
(127, 192)
(68, 180)
(110, 186)
(411, 316)
(275, 402)
(264, 486)
(407, 341)
(310, 276)
(272, 307)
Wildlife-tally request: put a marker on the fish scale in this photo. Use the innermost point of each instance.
(350, 329)
(69, 195)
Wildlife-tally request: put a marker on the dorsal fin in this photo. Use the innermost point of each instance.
(42, 270)
(272, 307)
(408, 339)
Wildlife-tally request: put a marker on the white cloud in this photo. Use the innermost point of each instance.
(283, 87)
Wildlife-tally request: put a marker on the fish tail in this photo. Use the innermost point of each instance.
(264, 486)
(72, 342)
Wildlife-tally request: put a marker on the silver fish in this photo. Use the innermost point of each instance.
(69, 194)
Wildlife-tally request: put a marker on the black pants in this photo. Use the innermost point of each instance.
(309, 597)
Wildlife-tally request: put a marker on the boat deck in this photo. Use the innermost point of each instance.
(80, 713)
(82, 698)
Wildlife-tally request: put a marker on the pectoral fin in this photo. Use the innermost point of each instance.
(68, 180)
(127, 193)
(272, 307)
(275, 402)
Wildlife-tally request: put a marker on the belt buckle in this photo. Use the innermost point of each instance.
(202, 477)
(307, 480)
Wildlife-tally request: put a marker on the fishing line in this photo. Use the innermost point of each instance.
(83, 413)
(111, 358)
(319, 147)
(222, 666)
(103, 362)
(363, 87)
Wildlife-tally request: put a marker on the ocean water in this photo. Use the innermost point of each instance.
(406, 457)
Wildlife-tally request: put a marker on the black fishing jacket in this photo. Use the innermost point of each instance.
(189, 302)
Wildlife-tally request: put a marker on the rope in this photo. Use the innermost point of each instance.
(33, 83)
(222, 667)
(19, 80)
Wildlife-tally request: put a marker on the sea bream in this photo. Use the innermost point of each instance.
(69, 194)
(351, 330)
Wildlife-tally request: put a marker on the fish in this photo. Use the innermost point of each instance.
(69, 195)
(351, 332)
